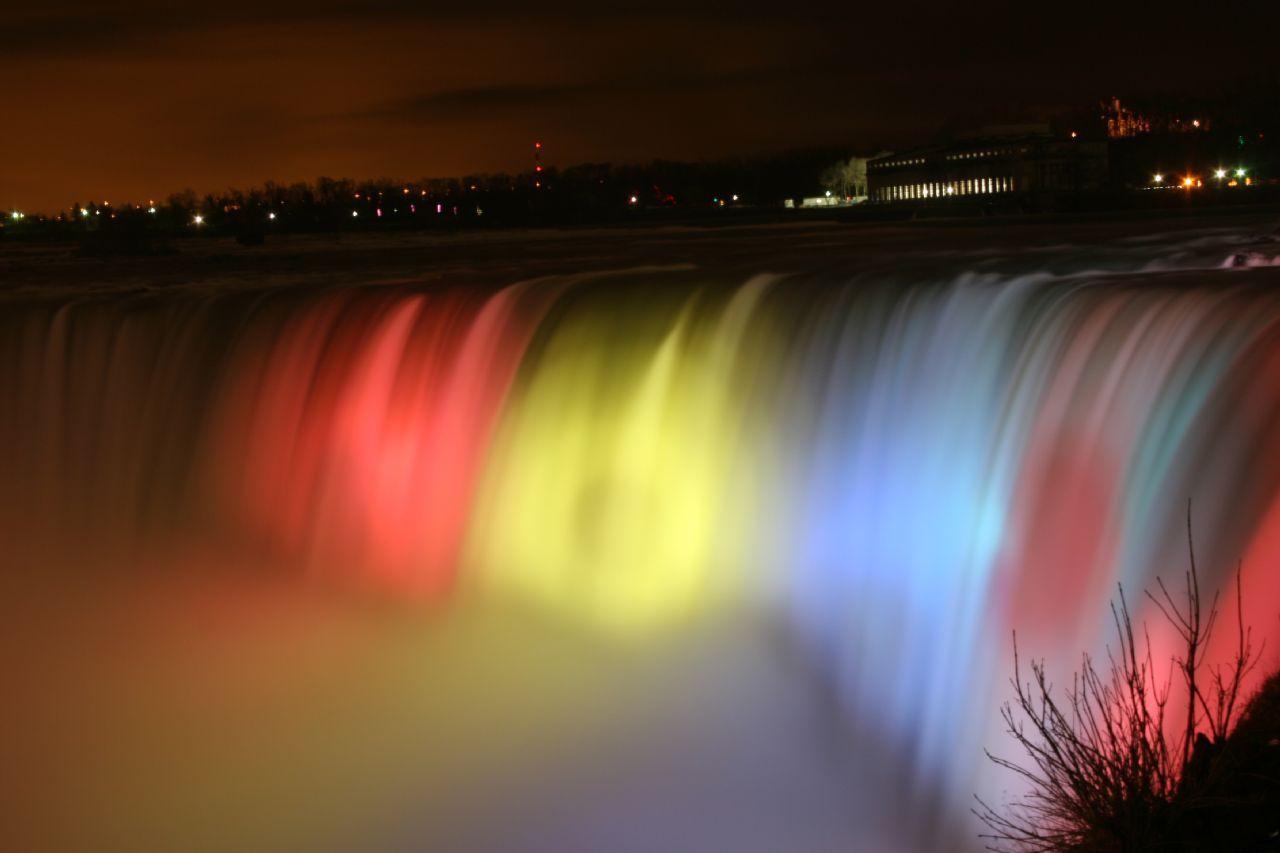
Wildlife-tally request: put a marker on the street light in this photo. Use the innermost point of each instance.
(1157, 178)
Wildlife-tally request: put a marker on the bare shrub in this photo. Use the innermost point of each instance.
(1107, 764)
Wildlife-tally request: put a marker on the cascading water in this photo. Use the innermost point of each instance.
(884, 478)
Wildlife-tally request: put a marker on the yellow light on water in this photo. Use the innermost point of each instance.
(612, 480)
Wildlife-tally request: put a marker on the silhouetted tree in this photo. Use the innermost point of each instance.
(1106, 766)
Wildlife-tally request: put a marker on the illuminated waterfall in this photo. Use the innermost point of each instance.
(897, 474)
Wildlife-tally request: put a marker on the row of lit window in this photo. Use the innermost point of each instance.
(974, 155)
(970, 186)
(918, 161)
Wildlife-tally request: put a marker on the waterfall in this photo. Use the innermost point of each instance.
(892, 475)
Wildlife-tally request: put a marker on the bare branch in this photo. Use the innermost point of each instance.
(1101, 768)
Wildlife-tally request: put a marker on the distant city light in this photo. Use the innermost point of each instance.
(1188, 181)
(1195, 122)
(16, 215)
(1239, 173)
(633, 199)
(84, 212)
(1074, 134)
(1220, 174)
(271, 215)
(828, 193)
(199, 220)
(1157, 178)
(151, 210)
(735, 198)
(354, 214)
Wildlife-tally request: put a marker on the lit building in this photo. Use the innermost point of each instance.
(1122, 121)
(992, 165)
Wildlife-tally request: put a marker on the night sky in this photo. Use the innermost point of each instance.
(131, 101)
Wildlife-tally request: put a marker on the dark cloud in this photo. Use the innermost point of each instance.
(65, 31)
(89, 27)
(461, 103)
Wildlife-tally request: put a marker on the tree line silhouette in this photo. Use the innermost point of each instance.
(579, 194)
